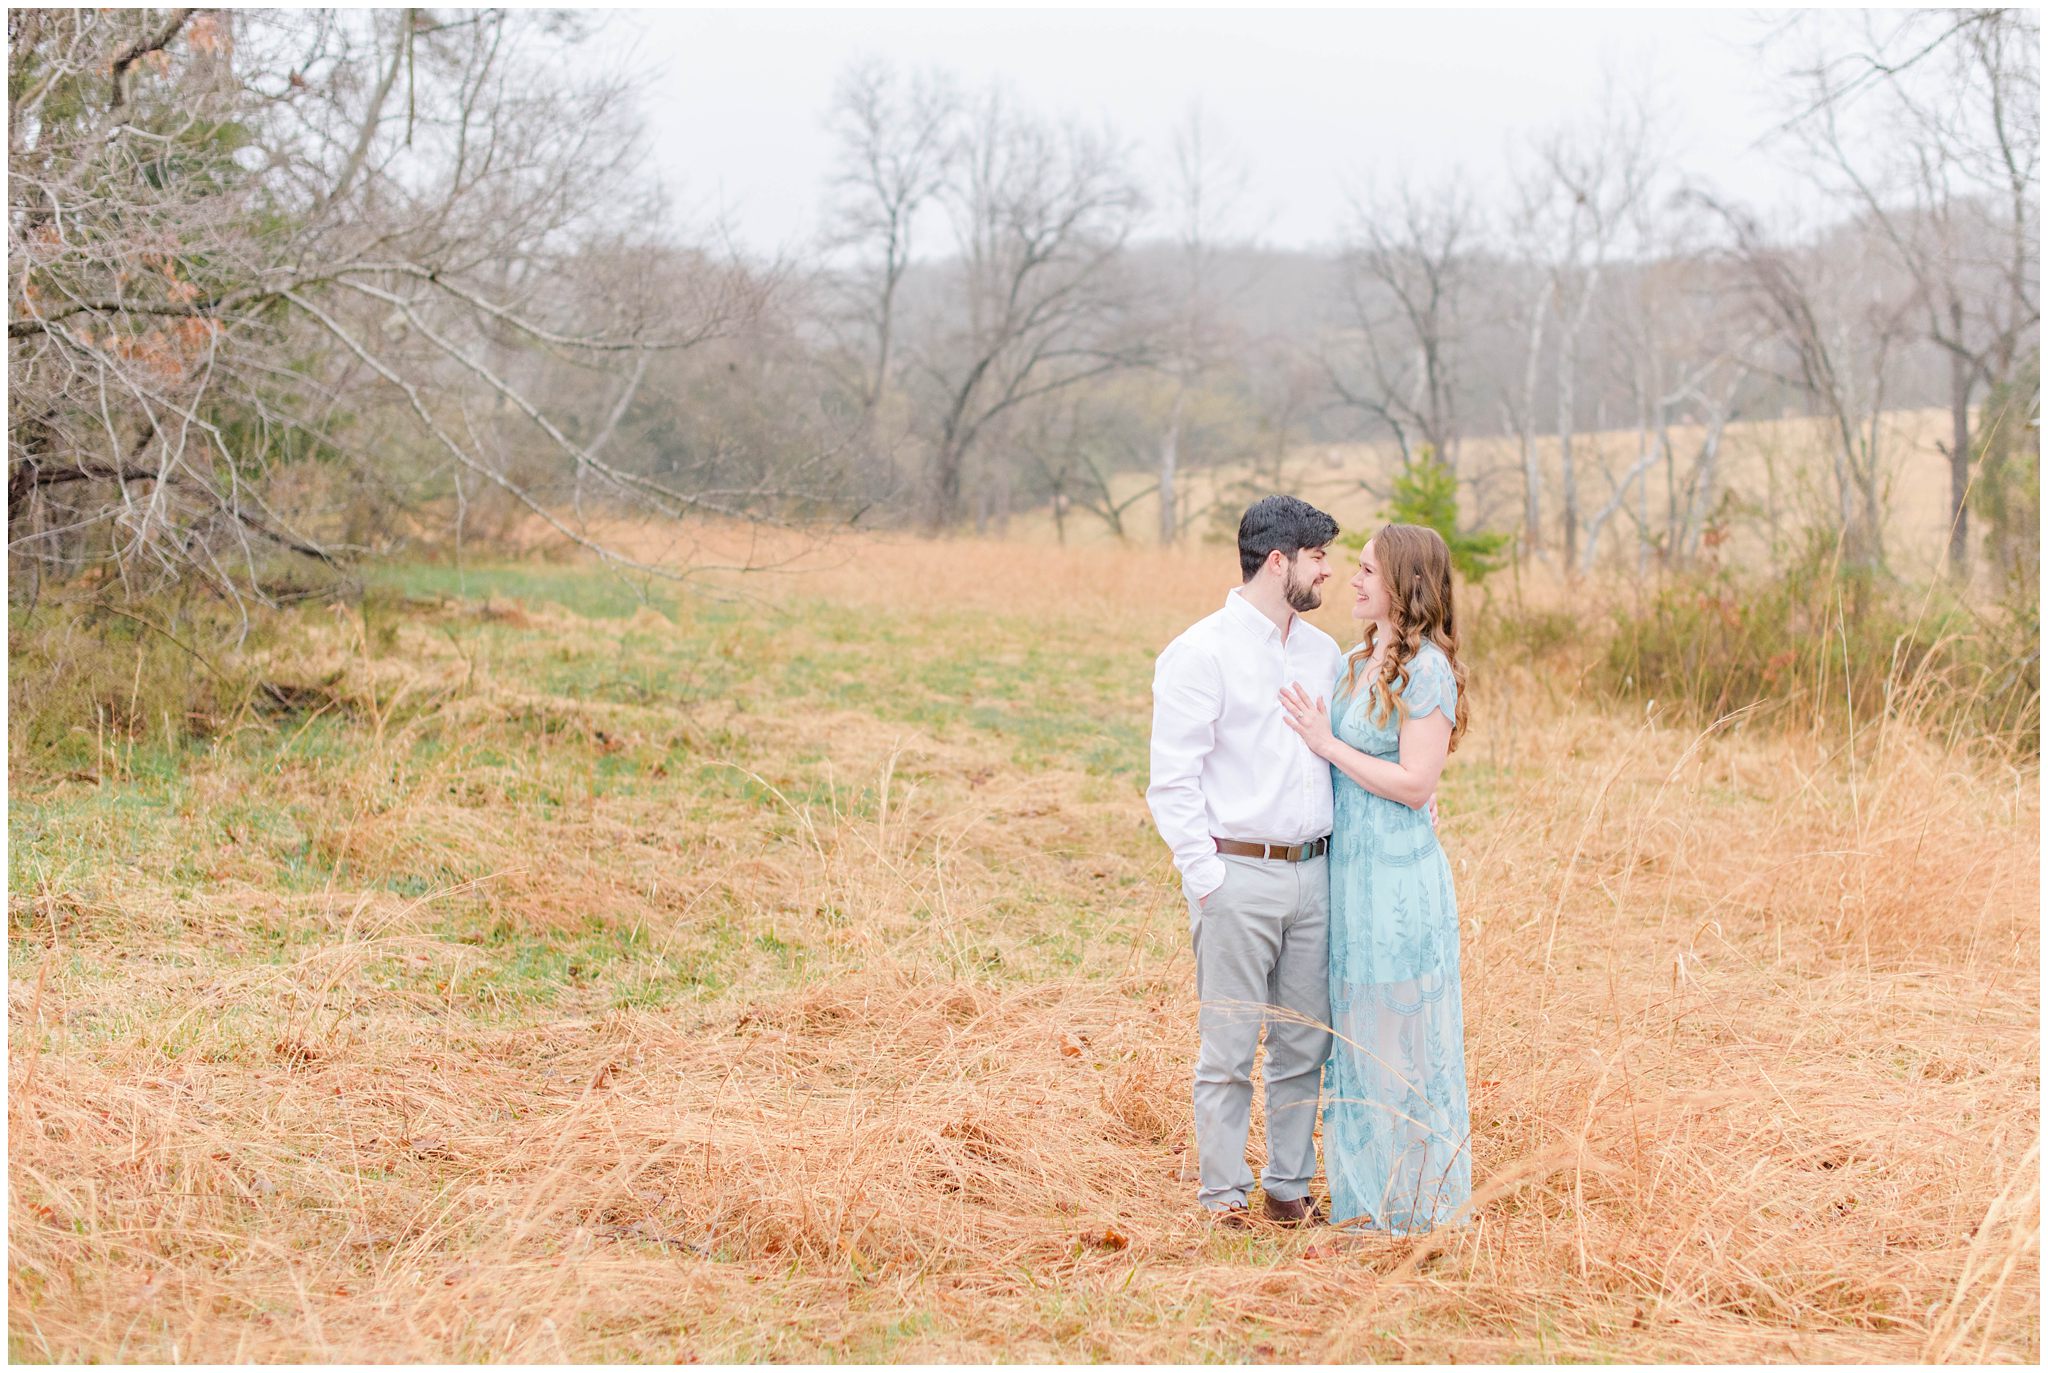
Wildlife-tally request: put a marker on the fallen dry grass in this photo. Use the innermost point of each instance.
(803, 981)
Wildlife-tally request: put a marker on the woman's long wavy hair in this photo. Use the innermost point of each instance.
(1415, 565)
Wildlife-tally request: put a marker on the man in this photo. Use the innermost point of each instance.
(1246, 809)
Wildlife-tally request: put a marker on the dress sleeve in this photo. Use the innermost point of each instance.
(1431, 686)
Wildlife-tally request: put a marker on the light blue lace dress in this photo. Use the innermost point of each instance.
(1396, 1127)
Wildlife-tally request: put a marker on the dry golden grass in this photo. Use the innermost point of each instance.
(1768, 467)
(802, 979)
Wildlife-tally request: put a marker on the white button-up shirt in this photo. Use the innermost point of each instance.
(1224, 763)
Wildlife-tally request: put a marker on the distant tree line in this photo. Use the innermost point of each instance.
(286, 287)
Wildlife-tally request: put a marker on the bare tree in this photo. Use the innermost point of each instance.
(1040, 215)
(1930, 127)
(1283, 393)
(1528, 315)
(1076, 444)
(1406, 272)
(1842, 331)
(1715, 356)
(1206, 185)
(243, 243)
(1677, 348)
(1580, 204)
(895, 139)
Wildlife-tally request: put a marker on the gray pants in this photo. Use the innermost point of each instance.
(1262, 958)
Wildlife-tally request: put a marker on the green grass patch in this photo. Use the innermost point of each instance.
(592, 593)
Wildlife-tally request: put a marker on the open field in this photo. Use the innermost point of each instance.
(1766, 466)
(797, 976)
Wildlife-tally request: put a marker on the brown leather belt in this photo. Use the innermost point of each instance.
(1291, 853)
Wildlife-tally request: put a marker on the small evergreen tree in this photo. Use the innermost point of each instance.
(1426, 493)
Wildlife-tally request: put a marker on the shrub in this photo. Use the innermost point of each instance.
(86, 679)
(1524, 633)
(1839, 646)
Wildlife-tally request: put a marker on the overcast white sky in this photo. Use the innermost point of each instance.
(1312, 100)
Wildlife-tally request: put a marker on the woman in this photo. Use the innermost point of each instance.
(1396, 1130)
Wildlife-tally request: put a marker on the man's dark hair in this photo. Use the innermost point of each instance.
(1283, 522)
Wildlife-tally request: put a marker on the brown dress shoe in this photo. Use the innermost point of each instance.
(1300, 1211)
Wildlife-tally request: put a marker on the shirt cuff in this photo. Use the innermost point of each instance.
(1202, 879)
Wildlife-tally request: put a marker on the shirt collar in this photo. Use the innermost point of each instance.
(1253, 619)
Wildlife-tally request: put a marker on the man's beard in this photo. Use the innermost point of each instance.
(1303, 596)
